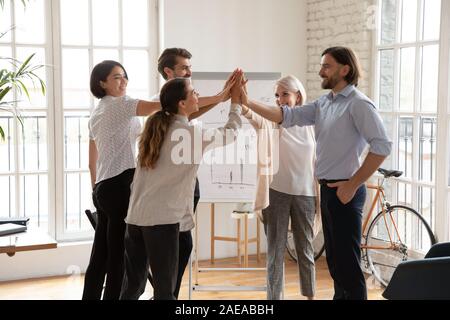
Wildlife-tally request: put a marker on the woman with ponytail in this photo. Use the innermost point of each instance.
(163, 186)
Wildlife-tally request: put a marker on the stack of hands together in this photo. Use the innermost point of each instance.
(235, 88)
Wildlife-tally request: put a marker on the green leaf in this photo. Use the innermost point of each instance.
(41, 82)
(43, 86)
(2, 134)
(19, 117)
(6, 31)
(4, 92)
(3, 73)
(9, 104)
(24, 87)
(2, 3)
(24, 64)
(10, 79)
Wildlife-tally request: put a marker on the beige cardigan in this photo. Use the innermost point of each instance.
(266, 145)
(264, 130)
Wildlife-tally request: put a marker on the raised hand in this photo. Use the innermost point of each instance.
(244, 93)
(236, 89)
(225, 93)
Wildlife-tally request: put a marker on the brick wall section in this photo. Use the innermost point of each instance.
(344, 23)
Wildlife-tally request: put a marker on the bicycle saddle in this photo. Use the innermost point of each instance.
(390, 173)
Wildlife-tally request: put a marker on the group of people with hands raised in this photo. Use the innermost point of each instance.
(146, 201)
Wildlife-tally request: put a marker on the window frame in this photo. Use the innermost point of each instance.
(442, 149)
(60, 201)
(19, 172)
(440, 183)
(55, 111)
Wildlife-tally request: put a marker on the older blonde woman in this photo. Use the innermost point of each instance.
(286, 189)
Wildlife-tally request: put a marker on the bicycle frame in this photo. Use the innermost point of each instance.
(381, 198)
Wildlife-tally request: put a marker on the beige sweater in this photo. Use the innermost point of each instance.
(266, 145)
(264, 130)
(165, 194)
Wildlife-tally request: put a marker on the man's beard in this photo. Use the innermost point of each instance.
(184, 76)
(329, 83)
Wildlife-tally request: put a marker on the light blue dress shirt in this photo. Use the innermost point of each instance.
(344, 125)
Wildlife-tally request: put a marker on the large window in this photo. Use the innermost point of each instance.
(44, 167)
(24, 155)
(407, 86)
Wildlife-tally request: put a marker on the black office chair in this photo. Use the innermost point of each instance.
(425, 279)
(93, 219)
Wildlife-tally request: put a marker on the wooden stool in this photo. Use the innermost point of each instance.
(241, 243)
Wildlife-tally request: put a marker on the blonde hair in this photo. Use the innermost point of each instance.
(292, 84)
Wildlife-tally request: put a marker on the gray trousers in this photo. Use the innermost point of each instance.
(301, 210)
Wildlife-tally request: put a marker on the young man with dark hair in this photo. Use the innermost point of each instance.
(174, 63)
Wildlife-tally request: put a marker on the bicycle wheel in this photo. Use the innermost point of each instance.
(318, 244)
(398, 235)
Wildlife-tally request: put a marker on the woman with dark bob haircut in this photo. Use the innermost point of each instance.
(113, 130)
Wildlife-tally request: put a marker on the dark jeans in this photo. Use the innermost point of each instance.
(185, 244)
(154, 246)
(111, 198)
(185, 247)
(184, 253)
(342, 233)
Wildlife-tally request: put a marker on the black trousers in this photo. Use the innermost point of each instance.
(111, 198)
(185, 244)
(342, 234)
(155, 247)
(184, 247)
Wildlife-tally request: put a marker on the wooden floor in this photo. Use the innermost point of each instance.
(71, 287)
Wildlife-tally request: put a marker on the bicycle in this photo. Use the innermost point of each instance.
(397, 233)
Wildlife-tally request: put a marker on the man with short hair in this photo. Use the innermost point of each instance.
(345, 122)
(175, 63)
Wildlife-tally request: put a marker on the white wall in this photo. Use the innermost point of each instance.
(339, 23)
(255, 35)
(67, 259)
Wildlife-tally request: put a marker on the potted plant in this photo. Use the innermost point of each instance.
(17, 76)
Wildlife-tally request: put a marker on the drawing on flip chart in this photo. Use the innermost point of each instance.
(229, 173)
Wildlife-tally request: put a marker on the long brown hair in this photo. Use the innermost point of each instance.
(156, 127)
